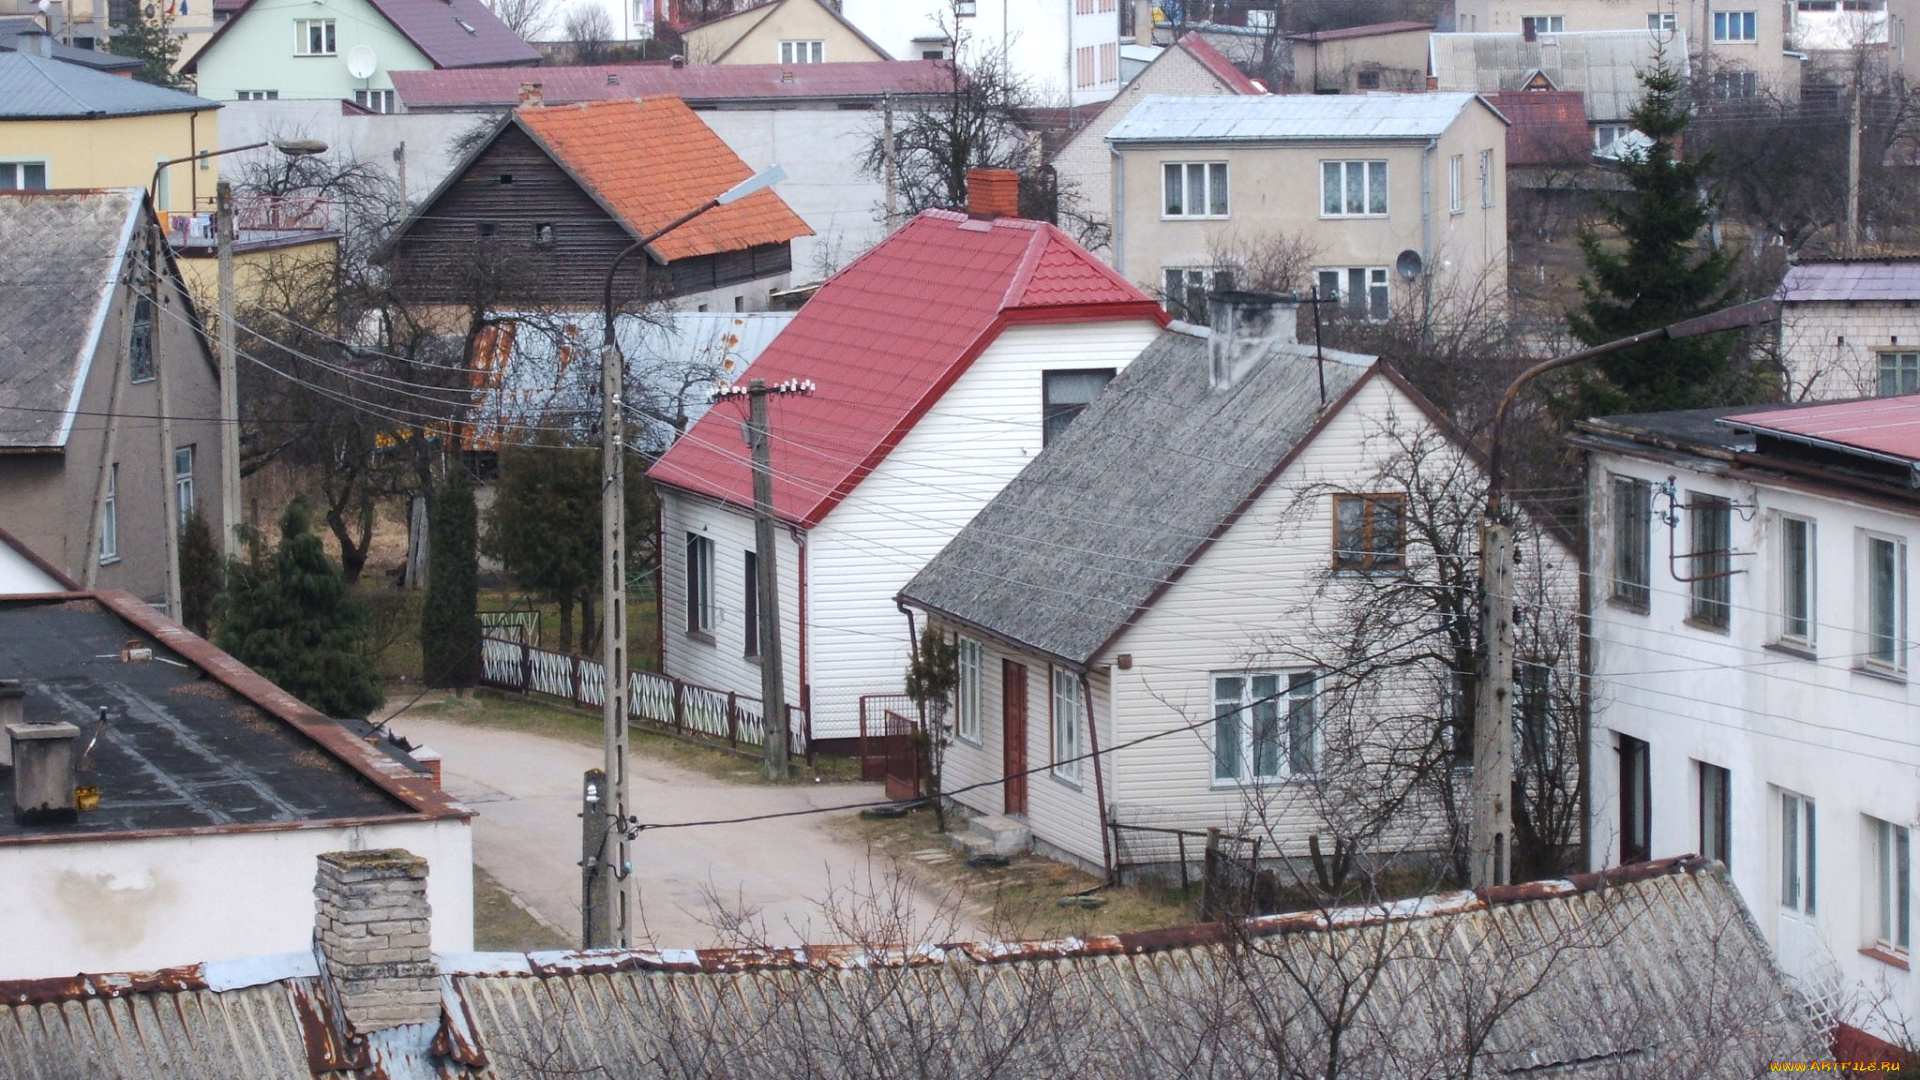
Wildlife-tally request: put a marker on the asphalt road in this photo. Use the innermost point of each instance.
(787, 882)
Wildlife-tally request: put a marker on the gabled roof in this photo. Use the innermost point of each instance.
(764, 11)
(12, 30)
(37, 88)
(1117, 506)
(1292, 117)
(449, 33)
(61, 255)
(1194, 44)
(29, 569)
(1548, 127)
(1854, 279)
(883, 339)
(699, 85)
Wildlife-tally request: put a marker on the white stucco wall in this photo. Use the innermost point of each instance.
(1037, 37)
(112, 905)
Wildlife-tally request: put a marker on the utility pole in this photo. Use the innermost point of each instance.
(1850, 241)
(229, 383)
(888, 166)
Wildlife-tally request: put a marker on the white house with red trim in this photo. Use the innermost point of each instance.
(941, 361)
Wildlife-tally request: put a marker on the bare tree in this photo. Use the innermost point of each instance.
(590, 29)
(528, 19)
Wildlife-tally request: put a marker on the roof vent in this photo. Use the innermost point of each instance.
(613, 78)
(43, 773)
(677, 61)
(993, 193)
(786, 75)
(1246, 327)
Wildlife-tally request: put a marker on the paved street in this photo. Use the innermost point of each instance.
(525, 789)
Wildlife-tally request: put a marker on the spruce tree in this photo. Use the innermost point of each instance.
(1660, 276)
(449, 627)
(199, 574)
(289, 616)
(147, 36)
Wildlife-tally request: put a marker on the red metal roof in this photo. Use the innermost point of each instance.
(1194, 45)
(695, 83)
(882, 340)
(1545, 127)
(1884, 426)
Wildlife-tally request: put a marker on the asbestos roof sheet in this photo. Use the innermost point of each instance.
(37, 88)
(1291, 117)
(1889, 279)
(1884, 427)
(882, 340)
(1115, 506)
(698, 84)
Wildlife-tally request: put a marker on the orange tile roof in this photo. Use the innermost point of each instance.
(651, 160)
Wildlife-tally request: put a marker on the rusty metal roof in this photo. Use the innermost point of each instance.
(1653, 970)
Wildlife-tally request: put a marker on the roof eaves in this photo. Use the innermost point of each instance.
(136, 208)
(764, 12)
(559, 160)
(192, 66)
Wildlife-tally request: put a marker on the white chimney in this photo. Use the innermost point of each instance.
(43, 773)
(1246, 327)
(13, 699)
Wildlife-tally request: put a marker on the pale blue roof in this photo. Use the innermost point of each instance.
(36, 88)
(1292, 117)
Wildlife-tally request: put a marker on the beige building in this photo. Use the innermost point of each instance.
(1393, 203)
(783, 32)
(1382, 56)
(1850, 329)
(1738, 47)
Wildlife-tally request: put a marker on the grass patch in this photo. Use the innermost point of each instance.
(1022, 899)
(500, 925)
(642, 638)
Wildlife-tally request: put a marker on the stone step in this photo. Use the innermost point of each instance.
(1008, 837)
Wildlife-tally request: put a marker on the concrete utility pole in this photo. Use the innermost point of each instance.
(593, 834)
(229, 383)
(1490, 813)
(1850, 243)
(170, 492)
(889, 168)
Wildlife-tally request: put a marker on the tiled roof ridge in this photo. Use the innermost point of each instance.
(1194, 44)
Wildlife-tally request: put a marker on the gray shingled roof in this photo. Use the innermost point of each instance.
(36, 88)
(1892, 279)
(1065, 555)
(59, 254)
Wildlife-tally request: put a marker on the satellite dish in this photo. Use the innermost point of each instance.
(361, 62)
(1409, 264)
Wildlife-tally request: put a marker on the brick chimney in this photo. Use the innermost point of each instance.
(530, 95)
(1246, 327)
(993, 193)
(374, 933)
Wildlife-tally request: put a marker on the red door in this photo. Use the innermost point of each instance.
(1013, 733)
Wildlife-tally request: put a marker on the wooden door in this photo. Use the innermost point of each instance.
(1013, 733)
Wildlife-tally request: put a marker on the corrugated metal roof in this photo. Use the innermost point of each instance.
(38, 88)
(1291, 117)
(697, 84)
(1879, 279)
(1885, 427)
(1653, 970)
(882, 338)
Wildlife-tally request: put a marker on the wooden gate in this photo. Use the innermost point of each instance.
(902, 755)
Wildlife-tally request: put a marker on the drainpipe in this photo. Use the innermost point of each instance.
(1426, 237)
(1119, 209)
(806, 688)
(1099, 784)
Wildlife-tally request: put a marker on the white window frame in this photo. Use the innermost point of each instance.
(1273, 707)
(380, 101)
(1892, 655)
(1798, 580)
(1544, 24)
(1799, 853)
(1067, 709)
(1211, 174)
(1187, 289)
(1378, 306)
(110, 518)
(1486, 179)
(16, 174)
(1736, 27)
(1736, 85)
(1891, 895)
(699, 584)
(1457, 183)
(803, 51)
(1630, 578)
(1607, 138)
(1662, 22)
(1375, 179)
(1715, 783)
(306, 43)
(257, 95)
(183, 495)
(1899, 371)
(968, 664)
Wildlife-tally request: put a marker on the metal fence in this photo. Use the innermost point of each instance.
(683, 707)
(519, 627)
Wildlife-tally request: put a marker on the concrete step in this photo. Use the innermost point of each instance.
(970, 845)
(1008, 837)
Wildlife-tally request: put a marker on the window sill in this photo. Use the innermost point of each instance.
(1886, 956)
(1634, 606)
(1065, 781)
(1790, 648)
(751, 658)
(1370, 572)
(1710, 628)
(1256, 784)
(1899, 678)
(1457, 211)
(969, 740)
(1192, 217)
(700, 636)
(1354, 217)
(109, 560)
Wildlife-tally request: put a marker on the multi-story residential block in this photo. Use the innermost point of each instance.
(1850, 329)
(1738, 47)
(1602, 65)
(1753, 672)
(1065, 52)
(1397, 202)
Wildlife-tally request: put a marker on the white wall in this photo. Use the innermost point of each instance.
(111, 905)
(1778, 720)
(1037, 36)
(18, 575)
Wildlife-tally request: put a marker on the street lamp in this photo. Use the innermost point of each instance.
(229, 392)
(605, 897)
(1490, 811)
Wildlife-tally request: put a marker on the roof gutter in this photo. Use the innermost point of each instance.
(1911, 465)
(1078, 667)
(1119, 207)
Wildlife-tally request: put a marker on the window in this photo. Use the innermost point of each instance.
(1456, 182)
(1733, 26)
(1729, 85)
(1796, 853)
(966, 691)
(1353, 188)
(1710, 561)
(183, 483)
(1083, 66)
(1899, 373)
(258, 95)
(933, 54)
(140, 344)
(1361, 290)
(1632, 541)
(1367, 532)
(380, 101)
(1188, 289)
(313, 37)
(1110, 62)
(543, 235)
(1716, 817)
(486, 228)
(1636, 799)
(1892, 893)
(1539, 746)
(1264, 725)
(1607, 139)
(1535, 25)
(23, 175)
(1194, 189)
(1486, 178)
(1365, 79)
(1068, 714)
(1796, 580)
(1886, 587)
(803, 52)
(750, 606)
(699, 584)
(963, 8)
(1663, 22)
(1065, 395)
(110, 518)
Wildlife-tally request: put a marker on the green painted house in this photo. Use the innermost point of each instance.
(347, 49)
